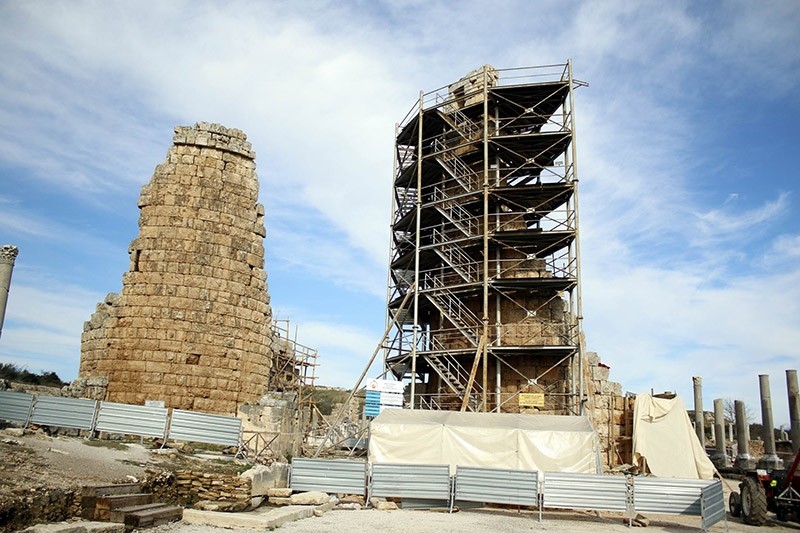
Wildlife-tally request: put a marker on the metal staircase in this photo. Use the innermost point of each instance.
(455, 376)
(465, 321)
(464, 265)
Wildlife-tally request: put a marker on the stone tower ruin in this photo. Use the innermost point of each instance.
(192, 325)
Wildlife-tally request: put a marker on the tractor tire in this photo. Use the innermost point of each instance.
(735, 504)
(754, 502)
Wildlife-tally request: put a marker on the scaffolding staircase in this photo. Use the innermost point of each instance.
(451, 307)
(455, 257)
(453, 374)
(456, 214)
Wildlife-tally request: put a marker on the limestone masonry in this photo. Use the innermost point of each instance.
(192, 325)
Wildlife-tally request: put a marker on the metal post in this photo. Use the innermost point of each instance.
(8, 255)
(579, 310)
(699, 419)
(485, 317)
(743, 458)
(794, 408)
(770, 460)
(720, 458)
(417, 229)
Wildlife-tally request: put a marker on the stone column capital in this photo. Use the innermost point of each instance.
(8, 254)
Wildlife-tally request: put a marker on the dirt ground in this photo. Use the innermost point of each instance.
(36, 460)
(485, 521)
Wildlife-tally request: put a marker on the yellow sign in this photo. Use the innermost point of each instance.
(531, 399)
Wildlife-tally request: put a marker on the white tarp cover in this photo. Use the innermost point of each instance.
(664, 436)
(489, 440)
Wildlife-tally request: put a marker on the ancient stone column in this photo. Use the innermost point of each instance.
(699, 421)
(770, 459)
(192, 326)
(794, 408)
(720, 458)
(743, 458)
(8, 254)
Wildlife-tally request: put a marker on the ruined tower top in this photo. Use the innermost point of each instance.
(8, 254)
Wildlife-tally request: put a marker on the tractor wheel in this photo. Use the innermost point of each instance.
(735, 504)
(754, 502)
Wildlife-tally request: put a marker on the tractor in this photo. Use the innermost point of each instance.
(761, 491)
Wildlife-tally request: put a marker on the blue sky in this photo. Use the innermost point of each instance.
(687, 146)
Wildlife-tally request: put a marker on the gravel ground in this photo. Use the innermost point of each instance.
(489, 521)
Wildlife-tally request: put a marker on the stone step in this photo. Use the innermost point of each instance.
(118, 515)
(153, 517)
(105, 504)
(110, 490)
(90, 494)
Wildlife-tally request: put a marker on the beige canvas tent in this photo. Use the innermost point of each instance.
(664, 438)
(490, 440)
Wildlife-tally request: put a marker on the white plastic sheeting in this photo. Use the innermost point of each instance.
(487, 440)
(665, 438)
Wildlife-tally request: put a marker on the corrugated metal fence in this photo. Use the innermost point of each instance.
(417, 482)
(335, 476)
(142, 420)
(64, 412)
(712, 504)
(201, 427)
(15, 406)
(109, 417)
(487, 485)
(565, 490)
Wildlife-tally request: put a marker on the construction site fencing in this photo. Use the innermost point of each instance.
(566, 490)
(140, 420)
(487, 485)
(422, 485)
(15, 406)
(336, 476)
(668, 496)
(63, 412)
(712, 504)
(416, 482)
(202, 427)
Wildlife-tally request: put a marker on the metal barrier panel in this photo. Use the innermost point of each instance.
(565, 490)
(424, 482)
(334, 476)
(63, 412)
(667, 495)
(15, 406)
(712, 504)
(513, 487)
(142, 420)
(201, 427)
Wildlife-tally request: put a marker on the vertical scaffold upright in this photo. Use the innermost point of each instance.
(485, 223)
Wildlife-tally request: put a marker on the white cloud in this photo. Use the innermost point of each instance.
(730, 223)
(344, 350)
(45, 319)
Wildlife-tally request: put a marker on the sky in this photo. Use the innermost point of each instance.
(687, 140)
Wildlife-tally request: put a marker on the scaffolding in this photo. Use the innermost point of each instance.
(485, 224)
(294, 371)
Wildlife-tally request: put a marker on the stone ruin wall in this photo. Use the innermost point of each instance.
(192, 325)
(610, 410)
